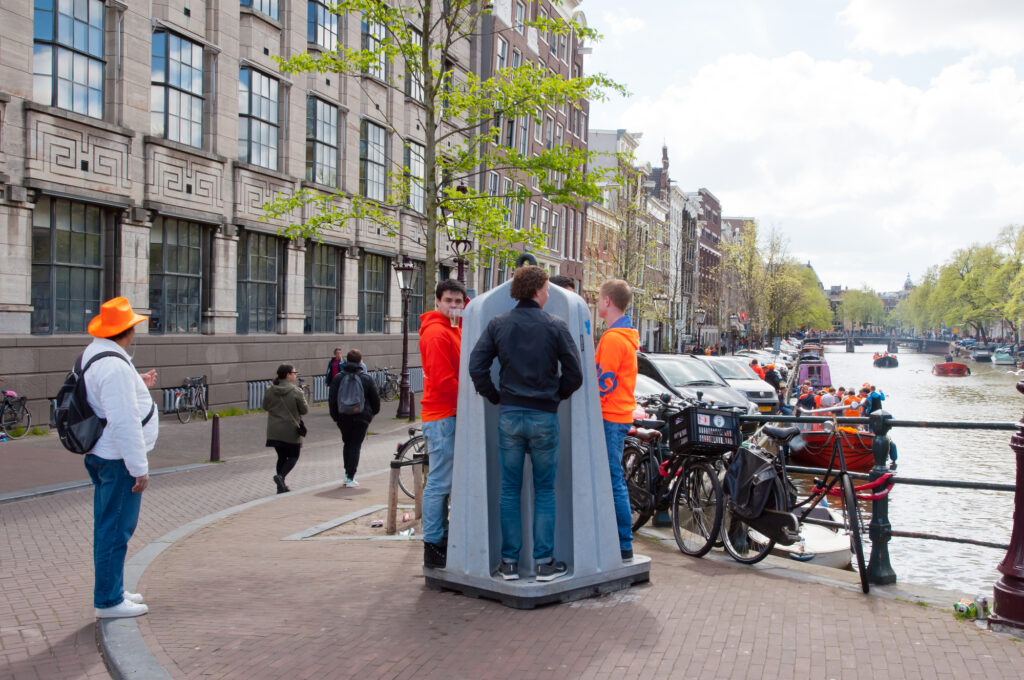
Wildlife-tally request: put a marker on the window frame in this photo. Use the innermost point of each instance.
(168, 88)
(416, 176)
(163, 312)
(270, 8)
(366, 162)
(247, 117)
(78, 57)
(371, 34)
(314, 167)
(519, 20)
(246, 280)
(318, 318)
(413, 79)
(382, 295)
(315, 29)
(501, 55)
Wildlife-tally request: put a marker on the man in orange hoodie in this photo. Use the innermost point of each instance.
(616, 380)
(440, 342)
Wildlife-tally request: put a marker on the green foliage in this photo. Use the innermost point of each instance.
(861, 307)
(462, 124)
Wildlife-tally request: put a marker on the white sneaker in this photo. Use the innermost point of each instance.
(124, 610)
(351, 482)
(133, 597)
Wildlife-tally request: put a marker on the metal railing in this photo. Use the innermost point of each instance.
(880, 530)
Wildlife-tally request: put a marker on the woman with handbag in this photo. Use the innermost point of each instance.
(285, 405)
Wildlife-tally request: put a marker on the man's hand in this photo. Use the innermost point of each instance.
(140, 484)
(149, 377)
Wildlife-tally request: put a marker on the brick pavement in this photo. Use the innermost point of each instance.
(345, 608)
(47, 625)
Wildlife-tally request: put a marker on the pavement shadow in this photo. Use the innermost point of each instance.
(56, 660)
(343, 492)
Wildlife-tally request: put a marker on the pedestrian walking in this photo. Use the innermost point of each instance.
(118, 464)
(354, 401)
(285, 405)
(530, 345)
(440, 345)
(616, 380)
(334, 366)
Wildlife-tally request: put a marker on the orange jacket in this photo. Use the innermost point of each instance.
(439, 352)
(616, 372)
(760, 371)
(854, 412)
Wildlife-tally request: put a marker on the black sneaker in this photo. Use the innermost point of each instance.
(551, 571)
(435, 555)
(627, 554)
(281, 488)
(509, 571)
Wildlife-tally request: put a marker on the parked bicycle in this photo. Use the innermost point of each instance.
(761, 500)
(415, 445)
(668, 464)
(15, 418)
(387, 383)
(191, 399)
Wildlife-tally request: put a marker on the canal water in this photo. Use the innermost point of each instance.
(913, 393)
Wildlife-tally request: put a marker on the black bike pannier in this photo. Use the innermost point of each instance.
(750, 482)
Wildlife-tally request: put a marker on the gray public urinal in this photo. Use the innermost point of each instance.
(586, 537)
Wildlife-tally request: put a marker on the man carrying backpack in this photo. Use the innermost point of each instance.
(117, 462)
(354, 401)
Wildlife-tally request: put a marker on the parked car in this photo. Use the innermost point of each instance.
(685, 375)
(738, 374)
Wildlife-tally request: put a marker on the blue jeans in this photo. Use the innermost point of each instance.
(615, 439)
(440, 436)
(115, 514)
(534, 432)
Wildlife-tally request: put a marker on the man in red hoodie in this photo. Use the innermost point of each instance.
(616, 380)
(440, 342)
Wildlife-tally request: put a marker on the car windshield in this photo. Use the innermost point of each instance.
(646, 386)
(682, 372)
(730, 369)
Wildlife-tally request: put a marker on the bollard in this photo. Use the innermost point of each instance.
(412, 406)
(417, 484)
(391, 521)
(215, 440)
(1009, 590)
(880, 570)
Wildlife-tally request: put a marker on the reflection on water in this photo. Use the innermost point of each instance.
(913, 393)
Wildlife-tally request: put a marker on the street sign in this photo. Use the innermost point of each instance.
(743, 317)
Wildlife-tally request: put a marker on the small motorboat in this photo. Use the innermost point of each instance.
(886, 361)
(820, 545)
(1003, 359)
(981, 355)
(950, 368)
(813, 448)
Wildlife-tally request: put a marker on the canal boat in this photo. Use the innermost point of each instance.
(813, 448)
(886, 361)
(981, 354)
(815, 372)
(951, 368)
(1003, 358)
(820, 545)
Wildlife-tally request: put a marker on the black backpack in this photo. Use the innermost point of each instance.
(351, 395)
(78, 426)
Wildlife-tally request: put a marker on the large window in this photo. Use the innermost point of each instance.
(415, 175)
(321, 142)
(413, 74)
(257, 119)
(373, 41)
(417, 298)
(323, 269)
(176, 94)
(175, 276)
(258, 270)
(373, 161)
(67, 265)
(268, 7)
(519, 23)
(68, 55)
(502, 55)
(373, 292)
(322, 26)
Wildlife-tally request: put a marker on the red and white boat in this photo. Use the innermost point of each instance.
(813, 448)
(951, 368)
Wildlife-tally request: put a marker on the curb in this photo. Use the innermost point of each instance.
(83, 483)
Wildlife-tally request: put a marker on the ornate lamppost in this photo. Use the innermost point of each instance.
(406, 272)
(700, 315)
(733, 324)
(461, 246)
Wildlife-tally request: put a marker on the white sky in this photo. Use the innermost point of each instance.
(877, 135)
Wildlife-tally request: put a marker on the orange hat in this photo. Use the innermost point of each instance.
(116, 316)
(770, 366)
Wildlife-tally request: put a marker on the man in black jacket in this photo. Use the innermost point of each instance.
(530, 344)
(353, 425)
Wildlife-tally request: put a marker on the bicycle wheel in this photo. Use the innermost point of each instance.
(415, 446)
(182, 406)
(744, 544)
(635, 470)
(17, 419)
(201, 405)
(390, 389)
(697, 509)
(851, 520)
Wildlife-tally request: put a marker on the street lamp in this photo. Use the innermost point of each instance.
(733, 324)
(406, 272)
(701, 315)
(460, 246)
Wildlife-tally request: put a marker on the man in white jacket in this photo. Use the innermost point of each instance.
(118, 463)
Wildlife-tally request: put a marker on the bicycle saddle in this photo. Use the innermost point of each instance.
(646, 435)
(782, 433)
(650, 424)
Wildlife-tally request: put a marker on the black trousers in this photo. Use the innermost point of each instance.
(353, 432)
(287, 457)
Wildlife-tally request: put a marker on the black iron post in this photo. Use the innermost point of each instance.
(403, 387)
(880, 570)
(215, 440)
(1009, 590)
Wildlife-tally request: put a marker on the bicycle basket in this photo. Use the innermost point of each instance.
(705, 431)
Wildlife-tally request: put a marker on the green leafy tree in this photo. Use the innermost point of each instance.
(461, 121)
(962, 293)
(743, 268)
(861, 307)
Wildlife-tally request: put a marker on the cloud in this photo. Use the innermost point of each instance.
(617, 26)
(905, 27)
(874, 176)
